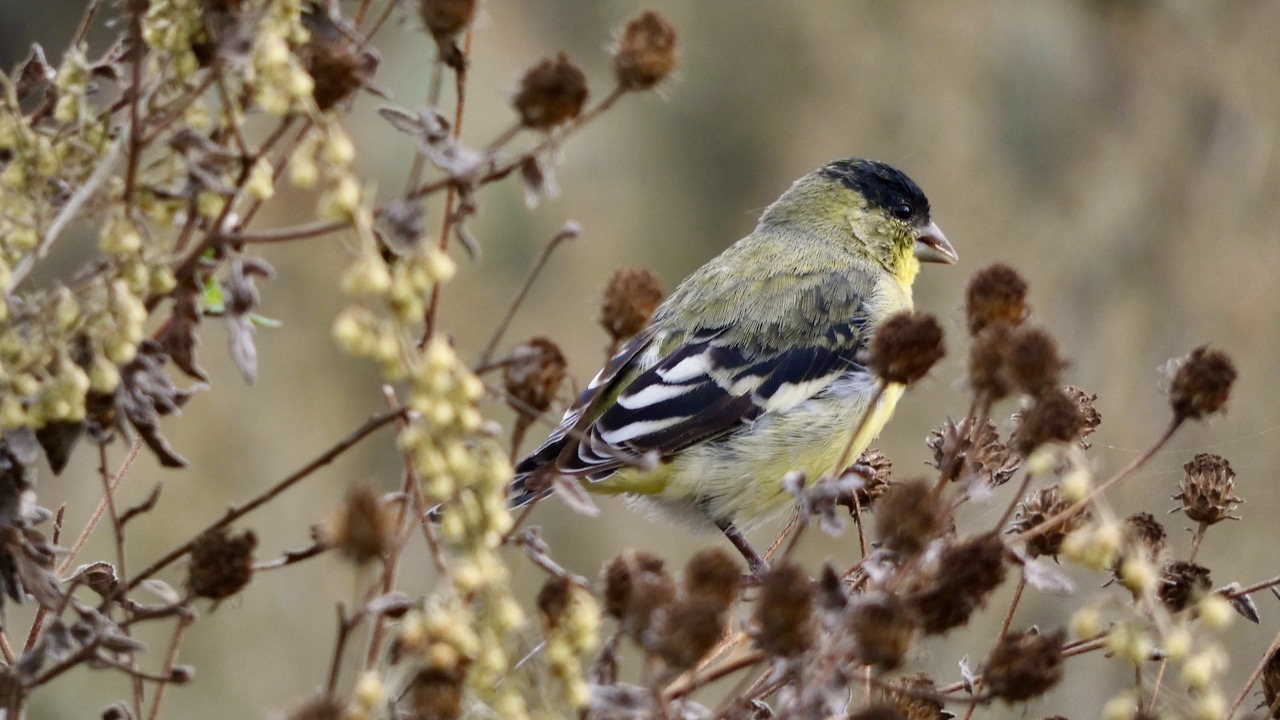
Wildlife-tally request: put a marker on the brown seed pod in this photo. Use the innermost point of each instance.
(910, 516)
(715, 575)
(905, 347)
(1207, 490)
(885, 628)
(444, 19)
(966, 573)
(1202, 384)
(1024, 665)
(550, 93)
(1033, 363)
(221, 564)
(629, 301)
(533, 375)
(646, 54)
(363, 528)
(1037, 507)
(691, 627)
(1053, 417)
(1182, 583)
(636, 584)
(995, 293)
(784, 612)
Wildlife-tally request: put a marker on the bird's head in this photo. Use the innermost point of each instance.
(875, 209)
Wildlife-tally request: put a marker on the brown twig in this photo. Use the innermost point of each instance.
(235, 513)
(568, 232)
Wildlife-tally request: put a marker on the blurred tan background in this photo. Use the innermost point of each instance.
(1122, 155)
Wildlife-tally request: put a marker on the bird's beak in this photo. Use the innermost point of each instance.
(932, 247)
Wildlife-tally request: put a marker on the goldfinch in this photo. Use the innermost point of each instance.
(755, 365)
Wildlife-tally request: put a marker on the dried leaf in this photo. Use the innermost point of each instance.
(180, 337)
(1242, 604)
(99, 577)
(34, 72)
(146, 393)
(59, 439)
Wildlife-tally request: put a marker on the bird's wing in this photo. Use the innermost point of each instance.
(710, 383)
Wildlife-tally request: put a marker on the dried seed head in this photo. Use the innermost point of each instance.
(1271, 681)
(635, 585)
(885, 628)
(966, 574)
(321, 708)
(980, 452)
(1201, 384)
(916, 697)
(905, 347)
(1089, 416)
(1037, 507)
(333, 58)
(713, 574)
(1053, 417)
(1182, 583)
(1024, 665)
(646, 53)
(988, 356)
(877, 712)
(784, 612)
(909, 516)
(363, 528)
(550, 93)
(553, 599)
(533, 375)
(629, 301)
(437, 694)
(877, 484)
(221, 564)
(444, 19)
(1207, 490)
(690, 629)
(995, 293)
(1033, 362)
(1145, 531)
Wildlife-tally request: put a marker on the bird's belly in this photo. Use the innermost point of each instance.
(739, 478)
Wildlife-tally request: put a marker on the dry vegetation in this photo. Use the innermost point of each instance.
(171, 143)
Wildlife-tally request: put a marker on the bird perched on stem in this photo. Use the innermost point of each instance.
(756, 365)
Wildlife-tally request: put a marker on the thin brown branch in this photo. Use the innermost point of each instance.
(1253, 676)
(569, 231)
(372, 424)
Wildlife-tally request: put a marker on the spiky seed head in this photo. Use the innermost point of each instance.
(1037, 507)
(1207, 490)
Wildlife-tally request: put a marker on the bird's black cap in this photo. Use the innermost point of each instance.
(882, 185)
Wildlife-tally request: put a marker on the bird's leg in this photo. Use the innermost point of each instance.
(755, 563)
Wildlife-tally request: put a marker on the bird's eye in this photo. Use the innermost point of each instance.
(902, 211)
